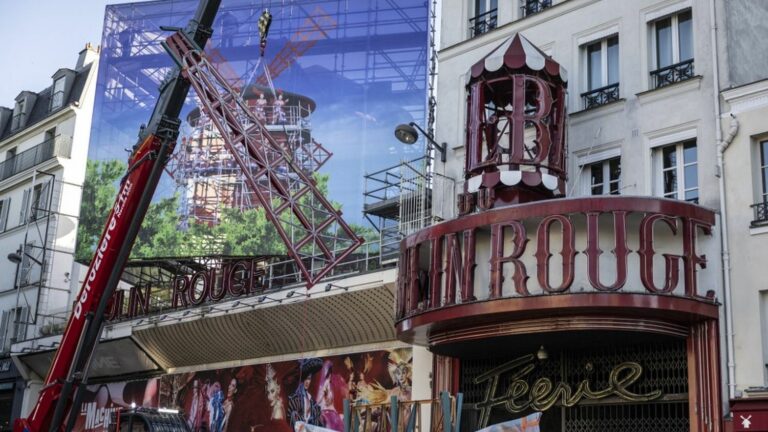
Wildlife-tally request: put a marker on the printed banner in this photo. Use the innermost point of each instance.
(528, 423)
(303, 427)
(275, 397)
(101, 400)
(341, 77)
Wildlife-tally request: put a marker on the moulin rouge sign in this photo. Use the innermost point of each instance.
(439, 265)
(230, 280)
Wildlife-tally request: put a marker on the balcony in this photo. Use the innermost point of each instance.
(600, 96)
(55, 147)
(671, 74)
(760, 214)
(531, 7)
(483, 23)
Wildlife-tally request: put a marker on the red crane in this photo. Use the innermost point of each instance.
(312, 229)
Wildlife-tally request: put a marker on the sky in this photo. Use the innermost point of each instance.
(41, 36)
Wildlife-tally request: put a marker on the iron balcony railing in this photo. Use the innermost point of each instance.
(483, 23)
(531, 7)
(601, 96)
(672, 74)
(55, 147)
(761, 213)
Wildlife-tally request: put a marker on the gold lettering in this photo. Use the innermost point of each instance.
(543, 394)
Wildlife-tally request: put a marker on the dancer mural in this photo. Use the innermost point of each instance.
(276, 397)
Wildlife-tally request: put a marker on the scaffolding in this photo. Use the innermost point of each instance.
(207, 177)
(402, 199)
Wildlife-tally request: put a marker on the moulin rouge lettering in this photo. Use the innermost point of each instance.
(543, 394)
(232, 279)
(453, 257)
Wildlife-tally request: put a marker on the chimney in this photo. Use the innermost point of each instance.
(87, 56)
(5, 116)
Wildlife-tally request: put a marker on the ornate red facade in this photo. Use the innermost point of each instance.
(523, 267)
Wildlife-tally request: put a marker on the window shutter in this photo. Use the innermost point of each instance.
(6, 207)
(4, 339)
(25, 206)
(26, 265)
(41, 207)
(21, 326)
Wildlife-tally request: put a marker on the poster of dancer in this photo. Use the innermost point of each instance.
(276, 397)
(101, 400)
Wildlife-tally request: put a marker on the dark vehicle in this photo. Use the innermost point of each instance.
(147, 420)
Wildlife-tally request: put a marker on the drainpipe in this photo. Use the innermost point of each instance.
(722, 145)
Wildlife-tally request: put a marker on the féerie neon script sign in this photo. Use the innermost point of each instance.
(543, 394)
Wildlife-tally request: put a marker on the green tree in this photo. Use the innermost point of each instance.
(99, 193)
(246, 232)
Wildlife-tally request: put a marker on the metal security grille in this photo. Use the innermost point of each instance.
(664, 368)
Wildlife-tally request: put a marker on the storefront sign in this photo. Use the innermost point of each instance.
(517, 247)
(233, 279)
(749, 414)
(543, 394)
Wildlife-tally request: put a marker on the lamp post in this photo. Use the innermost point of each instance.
(409, 133)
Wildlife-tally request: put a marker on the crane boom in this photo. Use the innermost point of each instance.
(56, 403)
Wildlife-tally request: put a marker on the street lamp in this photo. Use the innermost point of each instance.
(409, 133)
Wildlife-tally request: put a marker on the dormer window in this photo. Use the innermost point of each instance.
(18, 114)
(57, 96)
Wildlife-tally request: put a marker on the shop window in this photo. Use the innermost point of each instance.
(602, 72)
(676, 171)
(485, 19)
(672, 49)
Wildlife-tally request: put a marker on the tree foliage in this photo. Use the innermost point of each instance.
(246, 232)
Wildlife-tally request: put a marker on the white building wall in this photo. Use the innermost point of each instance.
(644, 118)
(72, 133)
(749, 104)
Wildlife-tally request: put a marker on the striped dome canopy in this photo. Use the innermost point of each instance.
(516, 53)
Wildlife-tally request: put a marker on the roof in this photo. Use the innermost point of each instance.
(516, 53)
(40, 110)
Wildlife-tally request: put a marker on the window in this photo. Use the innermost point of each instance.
(678, 168)
(761, 207)
(57, 97)
(602, 63)
(18, 115)
(531, 7)
(485, 18)
(50, 134)
(40, 195)
(605, 177)
(9, 164)
(5, 206)
(673, 45)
